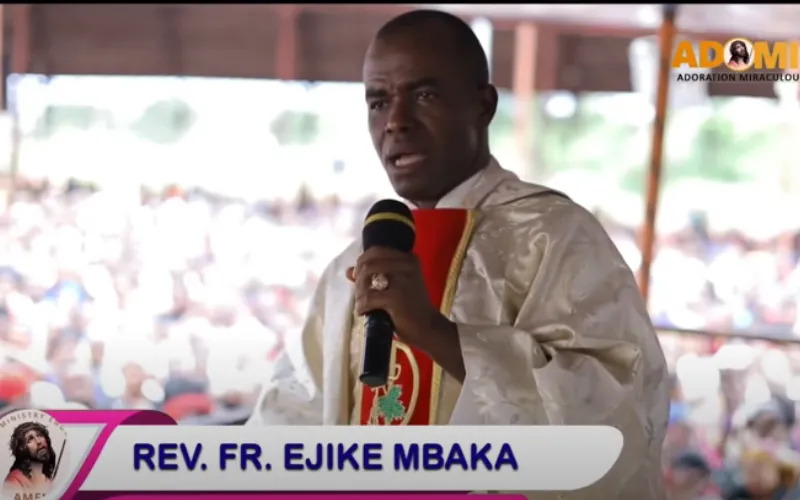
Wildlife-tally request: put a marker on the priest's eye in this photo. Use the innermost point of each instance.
(377, 105)
(425, 96)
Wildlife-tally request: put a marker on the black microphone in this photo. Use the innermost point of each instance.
(389, 223)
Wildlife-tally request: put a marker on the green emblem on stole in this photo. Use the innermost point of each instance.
(388, 405)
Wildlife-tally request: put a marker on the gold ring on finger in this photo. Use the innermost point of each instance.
(379, 282)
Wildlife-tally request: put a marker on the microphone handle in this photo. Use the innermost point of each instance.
(377, 351)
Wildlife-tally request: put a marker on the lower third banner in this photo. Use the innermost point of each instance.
(137, 455)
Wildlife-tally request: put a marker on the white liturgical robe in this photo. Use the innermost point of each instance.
(553, 331)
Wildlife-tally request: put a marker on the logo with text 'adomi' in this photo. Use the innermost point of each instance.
(745, 60)
(33, 452)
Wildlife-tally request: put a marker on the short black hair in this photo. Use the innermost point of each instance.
(692, 460)
(786, 407)
(470, 51)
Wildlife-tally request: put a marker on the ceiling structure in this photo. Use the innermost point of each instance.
(765, 21)
(578, 48)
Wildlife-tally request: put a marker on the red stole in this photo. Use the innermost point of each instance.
(411, 397)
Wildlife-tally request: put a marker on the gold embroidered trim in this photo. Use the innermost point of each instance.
(447, 305)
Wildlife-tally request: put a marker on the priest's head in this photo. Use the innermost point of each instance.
(429, 102)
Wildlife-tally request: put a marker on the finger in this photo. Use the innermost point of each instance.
(395, 273)
(364, 284)
(380, 251)
(402, 263)
(383, 253)
(350, 274)
(368, 298)
(372, 300)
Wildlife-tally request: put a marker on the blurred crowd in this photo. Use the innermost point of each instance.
(720, 281)
(757, 458)
(176, 301)
(732, 431)
(182, 300)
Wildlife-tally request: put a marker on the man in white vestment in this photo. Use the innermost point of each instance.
(540, 320)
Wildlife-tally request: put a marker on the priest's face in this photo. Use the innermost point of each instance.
(428, 122)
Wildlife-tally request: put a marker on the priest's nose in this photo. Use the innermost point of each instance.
(400, 118)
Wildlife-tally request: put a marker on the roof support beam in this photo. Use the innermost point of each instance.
(20, 49)
(19, 63)
(524, 85)
(666, 40)
(286, 47)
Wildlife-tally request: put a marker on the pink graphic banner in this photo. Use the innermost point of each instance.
(97, 495)
(111, 420)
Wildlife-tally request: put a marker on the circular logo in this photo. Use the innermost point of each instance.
(32, 459)
(738, 54)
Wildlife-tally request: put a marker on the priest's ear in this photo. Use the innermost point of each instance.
(488, 104)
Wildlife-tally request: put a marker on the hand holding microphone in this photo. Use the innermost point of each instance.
(390, 291)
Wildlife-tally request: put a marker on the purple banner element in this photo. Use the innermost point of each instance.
(101, 495)
(110, 420)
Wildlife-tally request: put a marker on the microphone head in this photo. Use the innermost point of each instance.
(389, 223)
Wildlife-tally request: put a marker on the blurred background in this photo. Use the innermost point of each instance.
(174, 178)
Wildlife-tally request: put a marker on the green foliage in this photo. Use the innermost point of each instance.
(75, 117)
(165, 122)
(589, 140)
(716, 148)
(295, 127)
(719, 153)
